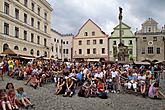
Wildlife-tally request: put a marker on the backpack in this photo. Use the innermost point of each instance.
(103, 95)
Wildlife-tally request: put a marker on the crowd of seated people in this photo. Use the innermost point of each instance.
(85, 79)
(99, 80)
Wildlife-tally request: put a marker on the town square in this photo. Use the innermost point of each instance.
(82, 55)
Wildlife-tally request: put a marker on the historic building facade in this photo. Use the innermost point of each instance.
(61, 46)
(150, 42)
(91, 43)
(25, 26)
(128, 39)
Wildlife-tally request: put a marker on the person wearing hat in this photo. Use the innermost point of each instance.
(142, 83)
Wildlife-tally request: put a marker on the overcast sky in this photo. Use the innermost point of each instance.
(69, 15)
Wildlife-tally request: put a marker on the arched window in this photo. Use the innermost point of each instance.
(25, 49)
(31, 51)
(16, 48)
(5, 47)
(38, 53)
(45, 54)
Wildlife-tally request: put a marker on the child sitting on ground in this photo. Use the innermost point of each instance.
(4, 102)
(22, 96)
(12, 98)
(34, 82)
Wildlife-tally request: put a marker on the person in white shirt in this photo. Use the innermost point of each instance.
(114, 74)
(99, 73)
(142, 83)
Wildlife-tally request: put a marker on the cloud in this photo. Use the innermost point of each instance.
(69, 15)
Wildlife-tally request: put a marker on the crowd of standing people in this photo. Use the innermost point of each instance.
(85, 79)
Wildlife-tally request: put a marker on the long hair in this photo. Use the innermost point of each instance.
(7, 85)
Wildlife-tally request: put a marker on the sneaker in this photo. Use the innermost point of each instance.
(32, 105)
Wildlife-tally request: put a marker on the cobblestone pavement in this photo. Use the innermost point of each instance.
(44, 99)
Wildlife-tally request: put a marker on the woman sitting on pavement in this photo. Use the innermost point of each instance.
(101, 89)
(154, 90)
(61, 86)
(142, 83)
(69, 87)
(85, 89)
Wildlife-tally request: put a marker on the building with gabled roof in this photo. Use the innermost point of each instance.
(91, 43)
(128, 39)
(150, 42)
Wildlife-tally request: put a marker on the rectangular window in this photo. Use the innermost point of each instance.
(88, 51)
(66, 42)
(16, 13)
(60, 50)
(39, 10)
(94, 51)
(45, 42)
(88, 42)
(80, 51)
(63, 51)
(86, 34)
(26, 3)
(130, 42)
(16, 32)
(130, 51)
(56, 49)
(45, 29)
(38, 39)
(150, 50)
(32, 37)
(103, 50)
(32, 22)
(158, 50)
(101, 41)
(52, 48)
(154, 38)
(54, 39)
(57, 41)
(6, 28)
(144, 39)
(93, 33)
(6, 8)
(45, 16)
(38, 23)
(114, 42)
(143, 50)
(25, 18)
(67, 51)
(32, 6)
(94, 41)
(79, 42)
(25, 35)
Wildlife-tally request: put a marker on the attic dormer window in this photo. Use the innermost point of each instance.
(86, 34)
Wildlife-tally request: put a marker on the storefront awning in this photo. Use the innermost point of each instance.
(141, 63)
(28, 58)
(93, 60)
